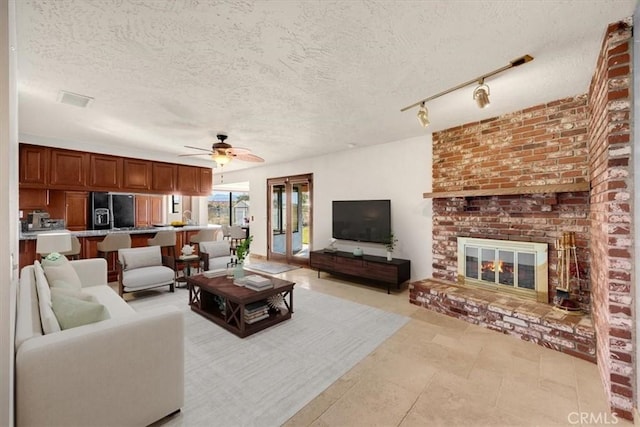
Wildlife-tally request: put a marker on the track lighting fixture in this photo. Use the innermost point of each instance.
(480, 94)
(423, 116)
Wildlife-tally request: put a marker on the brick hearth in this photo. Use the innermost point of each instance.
(531, 321)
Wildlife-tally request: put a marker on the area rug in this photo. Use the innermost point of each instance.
(264, 379)
(271, 267)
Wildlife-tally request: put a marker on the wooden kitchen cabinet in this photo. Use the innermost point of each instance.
(51, 168)
(148, 210)
(30, 199)
(136, 175)
(163, 177)
(188, 179)
(105, 172)
(34, 165)
(206, 181)
(157, 209)
(68, 169)
(26, 253)
(143, 217)
(51, 201)
(75, 214)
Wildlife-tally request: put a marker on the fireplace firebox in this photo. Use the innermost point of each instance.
(519, 268)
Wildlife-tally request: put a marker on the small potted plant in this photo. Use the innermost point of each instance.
(242, 250)
(390, 244)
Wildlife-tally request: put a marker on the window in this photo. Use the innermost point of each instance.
(228, 208)
(279, 209)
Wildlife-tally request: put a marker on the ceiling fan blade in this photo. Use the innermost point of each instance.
(234, 151)
(190, 155)
(198, 148)
(248, 157)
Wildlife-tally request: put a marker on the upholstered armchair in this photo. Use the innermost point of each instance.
(215, 254)
(144, 268)
(203, 235)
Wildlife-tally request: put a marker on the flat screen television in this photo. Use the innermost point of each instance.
(361, 220)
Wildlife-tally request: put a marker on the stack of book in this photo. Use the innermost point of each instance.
(255, 312)
(215, 273)
(257, 283)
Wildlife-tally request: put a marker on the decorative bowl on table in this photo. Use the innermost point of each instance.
(177, 224)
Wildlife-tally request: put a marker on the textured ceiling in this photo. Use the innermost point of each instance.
(288, 79)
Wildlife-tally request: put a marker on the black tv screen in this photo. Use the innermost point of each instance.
(362, 220)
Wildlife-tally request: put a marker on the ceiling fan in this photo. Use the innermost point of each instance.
(222, 153)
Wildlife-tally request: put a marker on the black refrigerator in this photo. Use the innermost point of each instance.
(99, 211)
(108, 210)
(123, 208)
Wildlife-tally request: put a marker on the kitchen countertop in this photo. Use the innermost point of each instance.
(32, 235)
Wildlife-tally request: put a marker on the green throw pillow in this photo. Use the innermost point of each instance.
(72, 293)
(59, 270)
(71, 311)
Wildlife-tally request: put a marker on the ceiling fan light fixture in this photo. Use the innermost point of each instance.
(423, 116)
(221, 158)
(481, 95)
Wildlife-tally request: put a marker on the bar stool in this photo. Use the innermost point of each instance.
(74, 253)
(237, 235)
(164, 239)
(204, 235)
(226, 232)
(110, 245)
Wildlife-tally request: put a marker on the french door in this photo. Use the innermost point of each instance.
(290, 218)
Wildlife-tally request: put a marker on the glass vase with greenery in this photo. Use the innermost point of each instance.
(390, 244)
(242, 250)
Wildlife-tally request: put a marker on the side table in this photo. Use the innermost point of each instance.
(184, 263)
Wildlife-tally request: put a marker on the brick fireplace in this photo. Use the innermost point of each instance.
(512, 180)
(521, 177)
(542, 145)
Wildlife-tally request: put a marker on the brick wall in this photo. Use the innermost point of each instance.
(545, 144)
(611, 192)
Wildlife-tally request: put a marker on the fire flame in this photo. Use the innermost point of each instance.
(491, 266)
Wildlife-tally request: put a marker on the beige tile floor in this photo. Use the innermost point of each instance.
(441, 371)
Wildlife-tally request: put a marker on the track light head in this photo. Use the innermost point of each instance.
(423, 116)
(481, 94)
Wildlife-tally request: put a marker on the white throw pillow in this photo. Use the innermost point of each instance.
(215, 249)
(72, 312)
(140, 257)
(60, 273)
(47, 317)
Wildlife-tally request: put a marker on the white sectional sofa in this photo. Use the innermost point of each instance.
(127, 370)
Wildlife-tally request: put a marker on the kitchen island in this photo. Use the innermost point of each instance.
(90, 238)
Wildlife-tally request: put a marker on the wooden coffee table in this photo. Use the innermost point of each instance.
(224, 303)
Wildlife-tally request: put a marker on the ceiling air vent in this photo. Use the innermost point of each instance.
(74, 99)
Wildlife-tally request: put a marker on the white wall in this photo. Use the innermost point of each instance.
(400, 171)
(8, 207)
